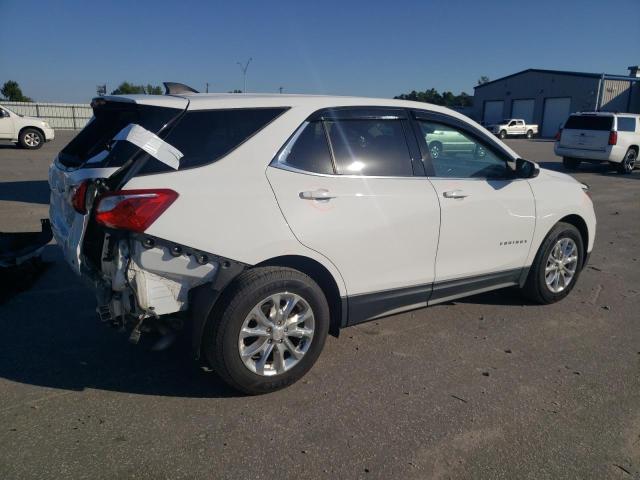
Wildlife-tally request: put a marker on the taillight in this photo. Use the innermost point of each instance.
(79, 197)
(133, 210)
(613, 137)
(558, 135)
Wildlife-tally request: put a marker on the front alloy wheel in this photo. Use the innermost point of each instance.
(276, 334)
(435, 149)
(561, 266)
(31, 139)
(556, 266)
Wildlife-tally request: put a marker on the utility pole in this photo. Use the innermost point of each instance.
(244, 73)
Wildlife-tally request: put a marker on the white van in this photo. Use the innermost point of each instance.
(600, 137)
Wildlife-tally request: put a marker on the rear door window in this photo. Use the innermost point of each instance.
(589, 122)
(626, 124)
(308, 150)
(373, 147)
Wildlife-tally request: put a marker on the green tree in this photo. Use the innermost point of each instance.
(483, 79)
(447, 98)
(12, 92)
(127, 88)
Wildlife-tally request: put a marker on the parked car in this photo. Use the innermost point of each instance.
(28, 132)
(600, 137)
(513, 127)
(263, 222)
(450, 142)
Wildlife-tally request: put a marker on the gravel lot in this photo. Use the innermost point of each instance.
(485, 387)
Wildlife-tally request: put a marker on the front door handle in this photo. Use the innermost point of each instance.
(320, 194)
(454, 194)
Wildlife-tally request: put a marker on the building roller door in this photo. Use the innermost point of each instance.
(523, 109)
(556, 111)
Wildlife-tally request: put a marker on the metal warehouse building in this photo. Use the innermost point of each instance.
(547, 97)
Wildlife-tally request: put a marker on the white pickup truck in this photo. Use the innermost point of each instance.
(511, 127)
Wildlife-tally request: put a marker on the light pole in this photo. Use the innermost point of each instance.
(244, 73)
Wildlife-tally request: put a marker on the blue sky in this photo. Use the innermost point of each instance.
(60, 50)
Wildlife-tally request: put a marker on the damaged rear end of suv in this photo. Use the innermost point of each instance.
(144, 283)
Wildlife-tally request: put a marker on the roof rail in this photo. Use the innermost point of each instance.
(175, 88)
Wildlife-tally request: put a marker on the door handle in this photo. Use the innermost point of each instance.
(454, 194)
(320, 194)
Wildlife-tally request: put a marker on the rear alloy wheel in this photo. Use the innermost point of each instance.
(557, 265)
(503, 134)
(529, 134)
(31, 138)
(570, 163)
(628, 162)
(267, 330)
(276, 334)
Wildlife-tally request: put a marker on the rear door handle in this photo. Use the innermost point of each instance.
(454, 194)
(320, 194)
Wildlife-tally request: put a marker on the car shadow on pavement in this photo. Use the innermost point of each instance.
(31, 191)
(51, 338)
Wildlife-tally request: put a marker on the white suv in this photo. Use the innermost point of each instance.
(600, 137)
(28, 132)
(263, 222)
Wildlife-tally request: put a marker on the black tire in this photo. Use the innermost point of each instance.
(628, 162)
(529, 134)
(503, 134)
(31, 139)
(535, 288)
(221, 336)
(570, 163)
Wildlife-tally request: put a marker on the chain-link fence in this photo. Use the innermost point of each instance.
(71, 116)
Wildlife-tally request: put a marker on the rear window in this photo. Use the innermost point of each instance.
(626, 124)
(589, 122)
(109, 118)
(204, 136)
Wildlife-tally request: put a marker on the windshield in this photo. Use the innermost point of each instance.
(10, 111)
(108, 119)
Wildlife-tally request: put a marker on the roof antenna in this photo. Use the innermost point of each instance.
(175, 88)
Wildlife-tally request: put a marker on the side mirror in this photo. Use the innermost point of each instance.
(526, 168)
(3, 113)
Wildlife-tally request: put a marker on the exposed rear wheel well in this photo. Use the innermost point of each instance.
(581, 225)
(321, 276)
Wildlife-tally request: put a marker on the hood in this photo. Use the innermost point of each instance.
(31, 121)
(558, 176)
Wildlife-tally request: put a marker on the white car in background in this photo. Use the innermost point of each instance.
(29, 132)
(600, 137)
(263, 222)
(513, 127)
